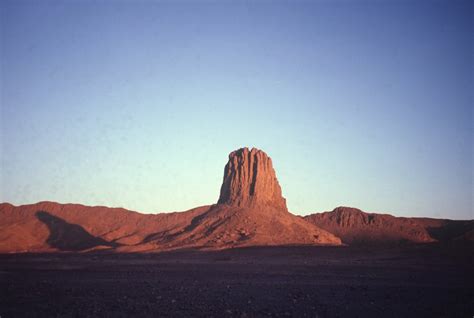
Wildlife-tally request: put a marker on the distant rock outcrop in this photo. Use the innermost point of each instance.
(250, 181)
(356, 227)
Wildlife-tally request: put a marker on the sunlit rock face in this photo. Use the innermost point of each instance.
(250, 181)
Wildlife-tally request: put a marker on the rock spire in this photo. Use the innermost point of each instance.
(250, 180)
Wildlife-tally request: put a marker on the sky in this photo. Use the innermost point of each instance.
(138, 104)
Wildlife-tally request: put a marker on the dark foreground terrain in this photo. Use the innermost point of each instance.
(416, 281)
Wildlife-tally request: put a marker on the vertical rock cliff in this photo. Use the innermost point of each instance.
(250, 181)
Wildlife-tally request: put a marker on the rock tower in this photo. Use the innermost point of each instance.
(250, 181)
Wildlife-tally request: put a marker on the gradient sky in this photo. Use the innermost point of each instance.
(138, 104)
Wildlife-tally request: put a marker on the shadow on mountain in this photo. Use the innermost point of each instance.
(451, 230)
(168, 236)
(69, 237)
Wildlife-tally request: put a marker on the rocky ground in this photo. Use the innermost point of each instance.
(416, 281)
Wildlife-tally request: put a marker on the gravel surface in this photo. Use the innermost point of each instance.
(417, 281)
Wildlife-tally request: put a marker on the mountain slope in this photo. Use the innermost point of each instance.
(356, 227)
(46, 226)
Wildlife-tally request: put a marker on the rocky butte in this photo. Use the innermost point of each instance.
(250, 211)
(250, 181)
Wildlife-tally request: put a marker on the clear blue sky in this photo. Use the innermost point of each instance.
(137, 104)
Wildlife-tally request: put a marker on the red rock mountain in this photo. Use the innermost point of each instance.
(250, 211)
(355, 227)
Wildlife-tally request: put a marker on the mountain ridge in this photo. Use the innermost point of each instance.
(132, 231)
(356, 227)
(250, 211)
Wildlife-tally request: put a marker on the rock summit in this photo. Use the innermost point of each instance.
(250, 181)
